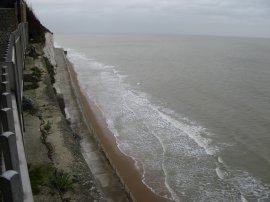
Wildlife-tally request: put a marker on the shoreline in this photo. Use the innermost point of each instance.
(106, 180)
(123, 165)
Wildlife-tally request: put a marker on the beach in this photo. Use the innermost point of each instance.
(105, 177)
(123, 165)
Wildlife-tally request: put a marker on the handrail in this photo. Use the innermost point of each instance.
(13, 166)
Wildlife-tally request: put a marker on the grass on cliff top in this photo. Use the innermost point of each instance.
(39, 176)
(48, 176)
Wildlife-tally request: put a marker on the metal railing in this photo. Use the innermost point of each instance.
(14, 178)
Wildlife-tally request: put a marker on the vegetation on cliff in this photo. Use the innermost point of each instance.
(36, 29)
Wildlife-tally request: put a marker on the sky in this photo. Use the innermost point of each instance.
(244, 18)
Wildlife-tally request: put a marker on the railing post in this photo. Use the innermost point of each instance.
(7, 69)
(10, 48)
(11, 186)
(10, 151)
(5, 86)
(23, 9)
(2, 164)
(6, 100)
(7, 119)
(6, 78)
(4, 69)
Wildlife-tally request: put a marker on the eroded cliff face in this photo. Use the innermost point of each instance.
(49, 48)
(51, 148)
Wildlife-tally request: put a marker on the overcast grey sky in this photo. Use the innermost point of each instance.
(210, 17)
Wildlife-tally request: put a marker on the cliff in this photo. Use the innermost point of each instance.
(64, 146)
(58, 171)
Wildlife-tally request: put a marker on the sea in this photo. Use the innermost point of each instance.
(193, 112)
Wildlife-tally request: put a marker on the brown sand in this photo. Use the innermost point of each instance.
(123, 165)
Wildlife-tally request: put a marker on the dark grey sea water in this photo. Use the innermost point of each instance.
(193, 112)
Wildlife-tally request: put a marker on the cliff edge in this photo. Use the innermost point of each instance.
(58, 171)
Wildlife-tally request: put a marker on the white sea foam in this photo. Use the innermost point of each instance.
(221, 174)
(251, 189)
(243, 198)
(175, 149)
(220, 160)
(193, 130)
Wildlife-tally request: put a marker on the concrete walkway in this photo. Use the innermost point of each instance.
(98, 164)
